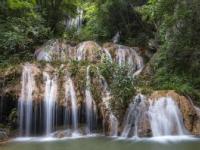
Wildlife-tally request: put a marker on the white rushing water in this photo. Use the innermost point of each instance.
(166, 118)
(130, 57)
(90, 104)
(26, 100)
(133, 116)
(113, 125)
(76, 22)
(50, 97)
(71, 95)
(121, 56)
(50, 47)
(106, 96)
(81, 52)
(116, 38)
(108, 55)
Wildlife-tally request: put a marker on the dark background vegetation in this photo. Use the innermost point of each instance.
(172, 25)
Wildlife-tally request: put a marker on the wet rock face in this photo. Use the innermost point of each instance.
(196, 123)
(190, 114)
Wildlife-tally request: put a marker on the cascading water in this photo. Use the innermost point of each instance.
(129, 56)
(139, 64)
(121, 56)
(116, 38)
(50, 97)
(108, 55)
(50, 47)
(113, 125)
(26, 100)
(165, 117)
(133, 115)
(71, 95)
(81, 52)
(106, 96)
(91, 115)
(77, 21)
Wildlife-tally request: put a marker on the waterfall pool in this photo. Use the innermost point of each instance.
(104, 143)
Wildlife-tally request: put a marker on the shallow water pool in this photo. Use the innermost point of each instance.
(104, 143)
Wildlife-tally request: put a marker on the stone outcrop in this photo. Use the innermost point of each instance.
(190, 113)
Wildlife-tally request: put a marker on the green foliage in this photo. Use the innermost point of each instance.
(55, 12)
(19, 33)
(103, 19)
(93, 28)
(121, 85)
(25, 24)
(21, 29)
(176, 65)
(21, 4)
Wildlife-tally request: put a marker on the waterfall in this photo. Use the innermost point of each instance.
(165, 117)
(121, 56)
(130, 57)
(108, 55)
(90, 104)
(26, 100)
(51, 47)
(81, 52)
(50, 97)
(76, 22)
(133, 115)
(106, 96)
(71, 94)
(113, 125)
(139, 64)
(116, 38)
